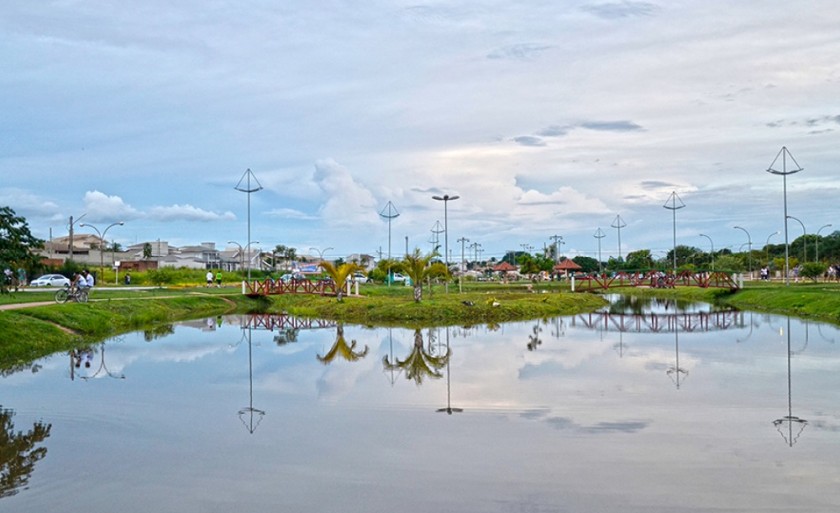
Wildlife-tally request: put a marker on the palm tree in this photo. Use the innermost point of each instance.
(419, 363)
(339, 275)
(417, 267)
(341, 348)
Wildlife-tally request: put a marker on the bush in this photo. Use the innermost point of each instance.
(812, 270)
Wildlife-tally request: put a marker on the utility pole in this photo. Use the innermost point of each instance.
(558, 239)
(619, 223)
(462, 240)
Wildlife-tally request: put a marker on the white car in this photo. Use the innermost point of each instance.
(50, 280)
(358, 276)
(397, 277)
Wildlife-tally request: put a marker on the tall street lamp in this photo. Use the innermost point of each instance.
(241, 257)
(462, 240)
(749, 248)
(804, 239)
(599, 234)
(248, 189)
(713, 250)
(446, 198)
(618, 224)
(817, 241)
(673, 207)
(102, 239)
(784, 153)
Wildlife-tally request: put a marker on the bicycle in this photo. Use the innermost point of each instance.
(77, 294)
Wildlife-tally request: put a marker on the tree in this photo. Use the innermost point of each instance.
(147, 250)
(17, 244)
(812, 270)
(19, 453)
(417, 267)
(339, 275)
(640, 260)
(587, 264)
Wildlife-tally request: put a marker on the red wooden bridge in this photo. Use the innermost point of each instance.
(655, 279)
(272, 287)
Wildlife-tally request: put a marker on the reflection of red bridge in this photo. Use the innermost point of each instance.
(273, 322)
(661, 323)
(656, 279)
(271, 287)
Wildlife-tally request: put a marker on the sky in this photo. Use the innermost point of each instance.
(546, 118)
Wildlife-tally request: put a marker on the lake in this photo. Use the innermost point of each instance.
(652, 406)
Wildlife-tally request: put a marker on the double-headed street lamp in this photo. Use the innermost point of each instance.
(713, 250)
(242, 251)
(767, 246)
(446, 198)
(749, 248)
(102, 239)
(817, 241)
(804, 239)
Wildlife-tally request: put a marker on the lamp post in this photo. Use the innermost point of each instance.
(713, 250)
(618, 224)
(804, 239)
(784, 153)
(558, 240)
(102, 238)
(767, 246)
(248, 189)
(817, 241)
(322, 251)
(241, 257)
(749, 248)
(462, 240)
(389, 213)
(599, 234)
(673, 207)
(446, 198)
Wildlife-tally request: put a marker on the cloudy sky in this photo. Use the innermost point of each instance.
(545, 117)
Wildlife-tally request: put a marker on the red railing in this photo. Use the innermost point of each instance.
(272, 287)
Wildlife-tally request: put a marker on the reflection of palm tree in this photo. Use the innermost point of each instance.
(419, 363)
(18, 454)
(341, 348)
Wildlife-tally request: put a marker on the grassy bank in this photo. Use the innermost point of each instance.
(31, 333)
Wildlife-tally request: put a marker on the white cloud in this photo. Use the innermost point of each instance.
(100, 207)
(188, 213)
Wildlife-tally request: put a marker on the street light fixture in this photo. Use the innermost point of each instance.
(713, 250)
(599, 234)
(767, 246)
(817, 241)
(784, 153)
(248, 189)
(673, 199)
(749, 248)
(804, 239)
(102, 239)
(618, 224)
(446, 198)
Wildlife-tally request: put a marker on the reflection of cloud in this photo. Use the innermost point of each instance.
(612, 126)
(567, 424)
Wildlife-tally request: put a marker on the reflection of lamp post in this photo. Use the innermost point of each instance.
(248, 189)
(446, 198)
(103, 368)
(449, 409)
(790, 419)
(674, 198)
(749, 248)
(102, 238)
(250, 410)
(817, 241)
(713, 250)
(804, 239)
(784, 153)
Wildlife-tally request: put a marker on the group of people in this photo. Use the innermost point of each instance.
(83, 280)
(218, 277)
(10, 280)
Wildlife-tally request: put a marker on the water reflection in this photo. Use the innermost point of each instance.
(19, 452)
(448, 409)
(342, 349)
(250, 416)
(82, 358)
(675, 372)
(790, 426)
(420, 363)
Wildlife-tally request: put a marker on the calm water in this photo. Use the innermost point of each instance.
(667, 412)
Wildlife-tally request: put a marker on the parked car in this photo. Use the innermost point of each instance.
(296, 276)
(358, 276)
(50, 280)
(397, 277)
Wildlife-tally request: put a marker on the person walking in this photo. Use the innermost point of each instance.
(209, 278)
(219, 278)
